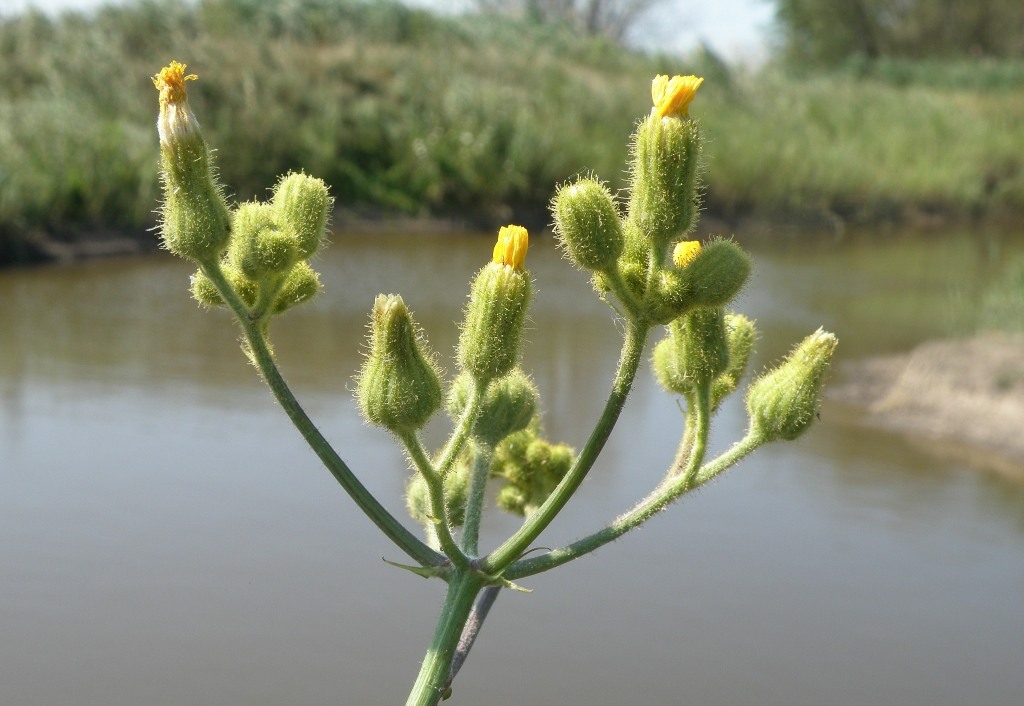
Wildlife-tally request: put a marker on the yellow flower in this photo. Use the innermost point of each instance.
(685, 252)
(510, 250)
(176, 120)
(672, 96)
(171, 82)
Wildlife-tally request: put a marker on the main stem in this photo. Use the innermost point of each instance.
(432, 682)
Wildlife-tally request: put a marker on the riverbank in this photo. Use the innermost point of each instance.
(962, 398)
(360, 94)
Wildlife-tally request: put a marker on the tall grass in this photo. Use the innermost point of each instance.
(869, 149)
(401, 110)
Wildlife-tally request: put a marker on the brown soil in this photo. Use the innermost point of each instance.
(963, 398)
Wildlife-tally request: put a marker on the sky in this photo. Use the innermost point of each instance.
(735, 29)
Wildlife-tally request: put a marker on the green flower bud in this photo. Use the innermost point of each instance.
(509, 404)
(259, 248)
(740, 336)
(398, 387)
(587, 224)
(246, 289)
(455, 489)
(194, 216)
(694, 353)
(456, 492)
(664, 179)
(302, 204)
(417, 499)
(301, 285)
(531, 468)
(783, 402)
(493, 326)
(717, 273)
(203, 290)
(513, 499)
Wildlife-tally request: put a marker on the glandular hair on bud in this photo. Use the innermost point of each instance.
(399, 386)
(492, 330)
(783, 402)
(717, 273)
(302, 205)
(588, 225)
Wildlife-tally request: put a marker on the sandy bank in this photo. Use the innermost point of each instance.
(961, 397)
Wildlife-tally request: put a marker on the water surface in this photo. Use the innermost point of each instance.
(166, 538)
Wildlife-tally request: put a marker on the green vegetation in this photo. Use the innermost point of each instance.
(827, 32)
(475, 117)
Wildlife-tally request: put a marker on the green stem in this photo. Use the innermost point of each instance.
(685, 450)
(482, 455)
(261, 356)
(432, 683)
(435, 486)
(676, 485)
(700, 410)
(629, 361)
(461, 431)
(613, 278)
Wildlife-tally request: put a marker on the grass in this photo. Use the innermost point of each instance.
(404, 111)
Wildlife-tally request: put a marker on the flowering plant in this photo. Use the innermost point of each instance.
(253, 259)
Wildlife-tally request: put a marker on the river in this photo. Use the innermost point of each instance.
(166, 538)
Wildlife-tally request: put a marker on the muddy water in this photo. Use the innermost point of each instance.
(165, 538)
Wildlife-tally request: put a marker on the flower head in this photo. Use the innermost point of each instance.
(672, 96)
(510, 250)
(171, 82)
(195, 219)
(176, 120)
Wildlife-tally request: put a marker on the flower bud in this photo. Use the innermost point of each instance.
(301, 285)
(417, 499)
(194, 215)
(259, 247)
(740, 334)
(493, 325)
(703, 276)
(509, 404)
(456, 492)
(531, 468)
(398, 387)
(716, 274)
(694, 353)
(302, 205)
(783, 402)
(665, 165)
(206, 294)
(672, 96)
(455, 489)
(588, 225)
(203, 290)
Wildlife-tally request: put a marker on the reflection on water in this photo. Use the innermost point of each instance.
(165, 538)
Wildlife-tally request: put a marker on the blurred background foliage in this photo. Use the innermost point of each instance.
(476, 117)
